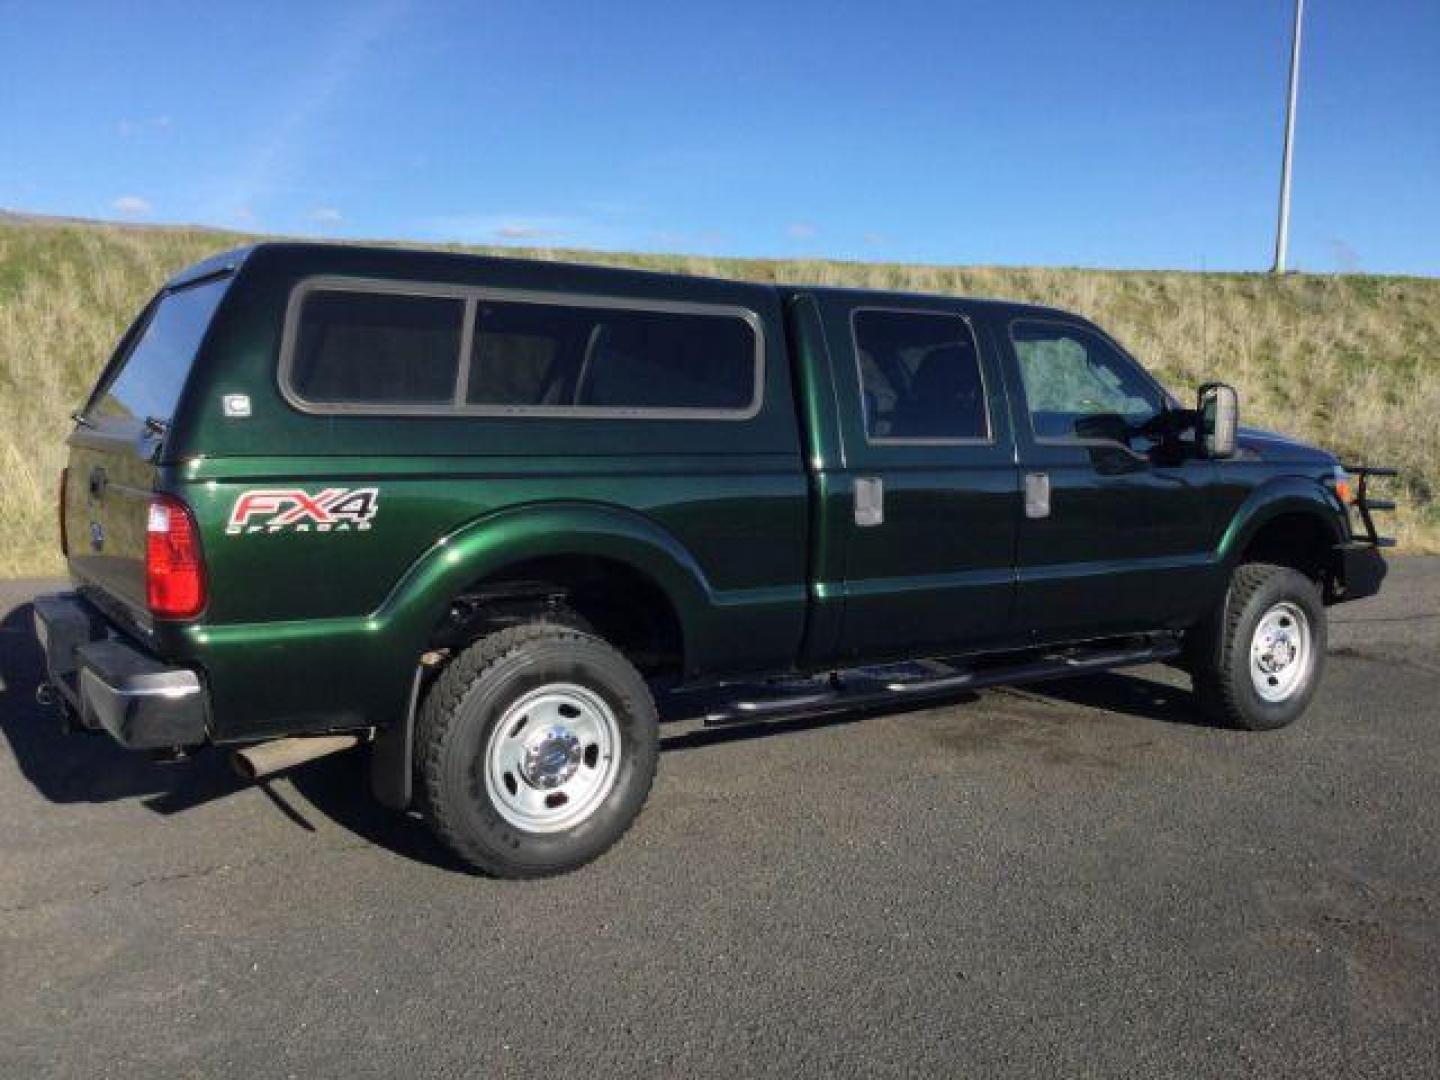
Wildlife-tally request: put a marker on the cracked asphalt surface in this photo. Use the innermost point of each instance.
(1075, 878)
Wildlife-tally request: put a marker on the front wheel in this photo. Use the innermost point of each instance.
(1258, 665)
(535, 750)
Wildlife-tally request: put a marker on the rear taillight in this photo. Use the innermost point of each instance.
(60, 506)
(174, 570)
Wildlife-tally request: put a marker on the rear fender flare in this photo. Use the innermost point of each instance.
(490, 544)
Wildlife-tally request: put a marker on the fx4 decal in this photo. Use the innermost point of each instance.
(272, 510)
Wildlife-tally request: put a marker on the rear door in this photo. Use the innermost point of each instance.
(1116, 532)
(927, 514)
(114, 447)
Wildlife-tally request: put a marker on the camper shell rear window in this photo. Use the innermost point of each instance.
(359, 346)
(145, 379)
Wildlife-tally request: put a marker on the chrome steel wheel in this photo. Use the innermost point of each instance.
(1282, 652)
(552, 758)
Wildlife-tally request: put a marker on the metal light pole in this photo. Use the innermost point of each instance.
(1282, 231)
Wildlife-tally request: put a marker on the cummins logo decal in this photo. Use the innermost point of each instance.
(271, 510)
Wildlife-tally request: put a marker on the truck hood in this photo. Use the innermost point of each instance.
(1271, 446)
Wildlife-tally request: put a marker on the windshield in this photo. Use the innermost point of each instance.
(146, 382)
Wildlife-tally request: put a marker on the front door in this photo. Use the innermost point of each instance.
(1116, 534)
(929, 523)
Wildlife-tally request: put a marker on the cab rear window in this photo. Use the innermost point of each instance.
(146, 381)
(920, 377)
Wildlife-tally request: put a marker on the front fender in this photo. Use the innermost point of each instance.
(490, 544)
(1272, 499)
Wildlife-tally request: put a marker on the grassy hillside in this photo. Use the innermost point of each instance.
(1350, 362)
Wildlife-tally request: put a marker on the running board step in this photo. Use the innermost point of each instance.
(860, 688)
(937, 685)
(763, 707)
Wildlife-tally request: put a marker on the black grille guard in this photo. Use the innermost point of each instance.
(1366, 505)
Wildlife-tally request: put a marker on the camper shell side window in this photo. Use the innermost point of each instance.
(353, 346)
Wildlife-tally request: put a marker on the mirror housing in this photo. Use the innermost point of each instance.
(1218, 407)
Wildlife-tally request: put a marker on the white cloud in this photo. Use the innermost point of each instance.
(588, 226)
(505, 228)
(326, 215)
(800, 230)
(128, 129)
(132, 206)
(525, 232)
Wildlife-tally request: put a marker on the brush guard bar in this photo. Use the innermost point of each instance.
(1366, 505)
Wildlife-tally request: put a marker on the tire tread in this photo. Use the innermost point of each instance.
(442, 709)
(1218, 688)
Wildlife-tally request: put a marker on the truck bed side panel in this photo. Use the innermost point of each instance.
(291, 609)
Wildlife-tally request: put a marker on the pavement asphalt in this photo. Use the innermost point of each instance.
(1074, 878)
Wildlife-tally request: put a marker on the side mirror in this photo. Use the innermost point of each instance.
(1219, 409)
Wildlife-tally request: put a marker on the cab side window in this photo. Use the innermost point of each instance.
(919, 377)
(1078, 385)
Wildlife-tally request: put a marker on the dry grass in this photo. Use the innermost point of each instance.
(1349, 362)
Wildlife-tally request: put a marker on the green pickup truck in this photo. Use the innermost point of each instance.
(482, 515)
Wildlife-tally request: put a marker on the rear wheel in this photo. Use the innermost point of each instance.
(536, 749)
(1258, 664)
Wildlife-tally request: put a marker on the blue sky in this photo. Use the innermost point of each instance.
(1126, 133)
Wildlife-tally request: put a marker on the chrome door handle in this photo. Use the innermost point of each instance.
(1037, 495)
(869, 501)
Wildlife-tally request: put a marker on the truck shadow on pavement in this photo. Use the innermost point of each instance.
(91, 768)
(1128, 694)
(338, 787)
(84, 767)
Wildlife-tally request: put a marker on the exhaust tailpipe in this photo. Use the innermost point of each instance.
(266, 759)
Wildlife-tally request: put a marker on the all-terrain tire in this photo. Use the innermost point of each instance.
(456, 733)
(1243, 683)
